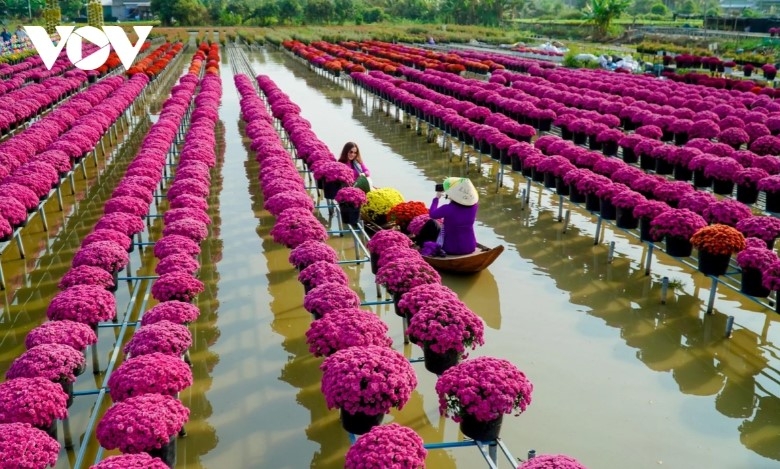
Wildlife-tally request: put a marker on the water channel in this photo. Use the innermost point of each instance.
(620, 379)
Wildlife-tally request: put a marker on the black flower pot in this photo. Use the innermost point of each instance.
(566, 134)
(608, 211)
(495, 152)
(752, 283)
(678, 247)
(374, 262)
(592, 203)
(549, 180)
(644, 229)
(721, 187)
(700, 180)
(545, 125)
(629, 156)
(330, 189)
(682, 173)
(359, 423)
(561, 188)
(610, 149)
(747, 194)
(646, 162)
(624, 218)
(663, 167)
(517, 165)
(773, 202)
(575, 195)
(484, 147)
(479, 430)
(580, 138)
(350, 214)
(681, 138)
(438, 363)
(713, 264)
(166, 452)
(536, 175)
(593, 144)
(504, 157)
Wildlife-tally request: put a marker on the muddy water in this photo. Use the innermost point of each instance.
(621, 380)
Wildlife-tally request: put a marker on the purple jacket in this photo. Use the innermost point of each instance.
(459, 237)
(358, 168)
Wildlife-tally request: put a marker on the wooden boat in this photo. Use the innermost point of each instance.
(466, 263)
(461, 264)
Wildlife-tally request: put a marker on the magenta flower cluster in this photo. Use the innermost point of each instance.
(88, 304)
(37, 401)
(176, 286)
(322, 272)
(131, 461)
(310, 252)
(177, 312)
(386, 446)
(74, 334)
(446, 326)
(141, 423)
(153, 373)
(551, 461)
(54, 362)
(328, 297)
(344, 328)
(163, 336)
(24, 447)
(400, 276)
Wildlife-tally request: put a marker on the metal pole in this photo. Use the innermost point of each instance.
(598, 231)
(560, 208)
(611, 253)
(664, 289)
(729, 326)
(713, 290)
(566, 220)
(650, 248)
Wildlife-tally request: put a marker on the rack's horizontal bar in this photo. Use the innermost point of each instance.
(139, 277)
(374, 303)
(111, 324)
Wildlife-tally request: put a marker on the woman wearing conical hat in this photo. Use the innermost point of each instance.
(457, 235)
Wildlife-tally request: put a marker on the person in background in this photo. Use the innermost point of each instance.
(5, 36)
(350, 156)
(21, 35)
(458, 217)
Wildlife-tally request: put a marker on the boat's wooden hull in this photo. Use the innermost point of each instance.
(467, 263)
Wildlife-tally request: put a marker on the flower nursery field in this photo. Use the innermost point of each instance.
(620, 379)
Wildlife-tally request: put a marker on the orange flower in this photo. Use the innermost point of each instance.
(404, 212)
(718, 239)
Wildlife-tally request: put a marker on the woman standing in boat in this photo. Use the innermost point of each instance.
(457, 233)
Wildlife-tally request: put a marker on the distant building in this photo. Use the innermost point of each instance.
(125, 10)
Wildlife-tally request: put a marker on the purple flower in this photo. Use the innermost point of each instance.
(351, 196)
(163, 337)
(141, 423)
(107, 255)
(126, 204)
(733, 136)
(551, 461)
(328, 297)
(155, 373)
(385, 443)
(176, 286)
(276, 204)
(727, 212)
(188, 186)
(758, 258)
(697, 201)
(25, 447)
(187, 227)
(484, 388)
(108, 235)
(54, 362)
(723, 169)
(131, 461)
(12, 210)
(346, 328)
(89, 304)
(312, 251)
(333, 171)
(73, 334)
(320, 272)
(37, 401)
(87, 275)
(678, 223)
(294, 226)
(370, 379)
(386, 238)
(175, 244)
(189, 201)
(771, 276)
(627, 199)
(176, 214)
(401, 275)
(445, 326)
(762, 227)
(177, 263)
(174, 311)
(749, 177)
(650, 131)
(122, 222)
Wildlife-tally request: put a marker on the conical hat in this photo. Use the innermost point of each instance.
(461, 190)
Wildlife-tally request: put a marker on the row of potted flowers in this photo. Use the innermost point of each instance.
(56, 348)
(40, 381)
(147, 416)
(351, 338)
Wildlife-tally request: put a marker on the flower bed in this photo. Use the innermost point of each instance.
(344, 328)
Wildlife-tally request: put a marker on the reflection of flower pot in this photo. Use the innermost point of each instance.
(713, 264)
(608, 211)
(625, 218)
(682, 173)
(678, 247)
(737, 398)
(330, 189)
(663, 167)
(751, 283)
(481, 431)
(610, 149)
(561, 188)
(747, 194)
(629, 156)
(700, 180)
(592, 203)
(722, 187)
(359, 423)
(438, 363)
(575, 195)
(772, 201)
(349, 214)
(166, 452)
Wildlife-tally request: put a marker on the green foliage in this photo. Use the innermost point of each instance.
(601, 13)
(374, 15)
(319, 11)
(182, 12)
(290, 11)
(688, 7)
(659, 9)
(344, 10)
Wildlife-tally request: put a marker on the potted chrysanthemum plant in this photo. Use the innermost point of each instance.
(402, 275)
(753, 260)
(344, 328)
(365, 383)
(677, 226)
(478, 392)
(36, 401)
(23, 446)
(162, 337)
(156, 373)
(131, 461)
(383, 240)
(716, 243)
(328, 297)
(322, 272)
(445, 330)
(55, 362)
(350, 199)
(551, 461)
(387, 445)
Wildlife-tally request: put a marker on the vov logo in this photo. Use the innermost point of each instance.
(113, 35)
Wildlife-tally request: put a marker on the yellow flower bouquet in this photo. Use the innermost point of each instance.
(379, 202)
